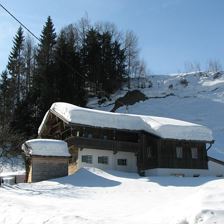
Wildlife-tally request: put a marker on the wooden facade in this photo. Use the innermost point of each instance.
(151, 151)
(46, 167)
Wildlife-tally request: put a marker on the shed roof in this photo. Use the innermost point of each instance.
(46, 147)
(160, 126)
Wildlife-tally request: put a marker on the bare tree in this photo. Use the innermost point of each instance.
(110, 28)
(132, 51)
(83, 26)
(29, 58)
(214, 66)
(142, 74)
(188, 66)
(71, 33)
(197, 66)
(192, 67)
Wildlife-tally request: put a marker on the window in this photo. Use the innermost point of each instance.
(89, 135)
(194, 153)
(148, 152)
(87, 159)
(103, 159)
(122, 162)
(179, 152)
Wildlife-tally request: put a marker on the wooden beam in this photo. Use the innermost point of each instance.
(102, 144)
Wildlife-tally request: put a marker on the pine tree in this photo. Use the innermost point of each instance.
(107, 68)
(24, 121)
(43, 88)
(119, 63)
(5, 99)
(113, 63)
(104, 61)
(63, 81)
(91, 58)
(24, 108)
(69, 83)
(16, 67)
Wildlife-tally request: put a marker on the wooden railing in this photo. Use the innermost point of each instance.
(103, 144)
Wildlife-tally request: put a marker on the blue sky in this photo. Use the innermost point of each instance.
(171, 33)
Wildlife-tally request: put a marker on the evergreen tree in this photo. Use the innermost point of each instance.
(43, 88)
(5, 99)
(91, 58)
(103, 61)
(16, 67)
(119, 63)
(69, 83)
(61, 68)
(107, 66)
(24, 121)
(22, 116)
(113, 63)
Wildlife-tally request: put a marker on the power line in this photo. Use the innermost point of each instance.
(60, 58)
(25, 27)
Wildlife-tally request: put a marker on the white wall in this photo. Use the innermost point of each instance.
(112, 159)
(169, 172)
(214, 169)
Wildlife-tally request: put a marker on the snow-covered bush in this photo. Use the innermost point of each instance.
(9, 144)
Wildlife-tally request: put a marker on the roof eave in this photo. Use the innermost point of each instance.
(190, 140)
(73, 124)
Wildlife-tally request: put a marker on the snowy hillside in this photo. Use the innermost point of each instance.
(111, 197)
(98, 197)
(194, 97)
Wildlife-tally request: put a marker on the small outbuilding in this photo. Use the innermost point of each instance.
(46, 159)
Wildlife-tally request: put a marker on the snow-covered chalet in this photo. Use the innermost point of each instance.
(135, 143)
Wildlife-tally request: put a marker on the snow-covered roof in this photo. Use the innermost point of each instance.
(46, 147)
(163, 127)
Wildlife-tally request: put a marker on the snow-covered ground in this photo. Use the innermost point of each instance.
(12, 166)
(109, 197)
(98, 197)
(193, 97)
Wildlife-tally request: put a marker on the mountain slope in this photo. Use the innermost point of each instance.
(195, 97)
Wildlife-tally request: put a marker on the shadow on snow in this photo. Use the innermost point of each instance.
(181, 181)
(85, 178)
(166, 180)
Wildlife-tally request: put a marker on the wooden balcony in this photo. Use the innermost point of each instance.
(103, 144)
